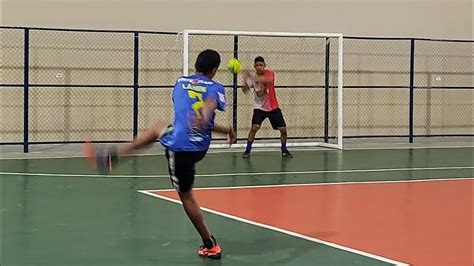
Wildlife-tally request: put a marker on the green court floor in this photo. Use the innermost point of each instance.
(59, 212)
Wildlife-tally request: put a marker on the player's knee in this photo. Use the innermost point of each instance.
(255, 128)
(283, 130)
(185, 196)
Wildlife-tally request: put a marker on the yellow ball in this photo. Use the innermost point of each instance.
(234, 66)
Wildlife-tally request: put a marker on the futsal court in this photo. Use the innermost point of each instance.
(380, 129)
(322, 207)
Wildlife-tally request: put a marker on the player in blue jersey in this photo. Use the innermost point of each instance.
(195, 99)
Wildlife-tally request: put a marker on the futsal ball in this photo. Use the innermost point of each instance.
(234, 66)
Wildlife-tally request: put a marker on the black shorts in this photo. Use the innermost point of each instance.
(275, 117)
(181, 166)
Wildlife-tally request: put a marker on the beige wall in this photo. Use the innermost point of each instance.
(419, 18)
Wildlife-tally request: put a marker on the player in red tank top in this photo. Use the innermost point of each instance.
(266, 104)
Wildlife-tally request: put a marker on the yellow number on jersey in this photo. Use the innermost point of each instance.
(197, 105)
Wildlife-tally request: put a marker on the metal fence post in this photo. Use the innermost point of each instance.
(135, 83)
(326, 92)
(412, 78)
(235, 86)
(26, 88)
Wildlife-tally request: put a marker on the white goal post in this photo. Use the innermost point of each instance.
(338, 138)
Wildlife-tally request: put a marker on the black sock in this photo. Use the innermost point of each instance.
(209, 243)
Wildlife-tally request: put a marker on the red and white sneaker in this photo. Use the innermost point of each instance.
(214, 253)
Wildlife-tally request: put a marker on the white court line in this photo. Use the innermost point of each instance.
(287, 232)
(250, 173)
(253, 173)
(328, 184)
(239, 150)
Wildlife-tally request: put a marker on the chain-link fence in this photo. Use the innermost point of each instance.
(60, 86)
(66, 72)
(160, 60)
(376, 79)
(444, 92)
(11, 94)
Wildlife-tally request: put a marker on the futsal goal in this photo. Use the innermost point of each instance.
(308, 83)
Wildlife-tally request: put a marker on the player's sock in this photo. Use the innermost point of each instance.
(284, 151)
(210, 249)
(249, 146)
(209, 243)
(283, 148)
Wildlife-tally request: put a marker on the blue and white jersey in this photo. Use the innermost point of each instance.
(189, 94)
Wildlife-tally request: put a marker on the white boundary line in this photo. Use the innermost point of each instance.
(239, 150)
(250, 173)
(327, 184)
(287, 232)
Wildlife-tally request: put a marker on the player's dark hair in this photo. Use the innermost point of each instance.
(207, 60)
(259, 59)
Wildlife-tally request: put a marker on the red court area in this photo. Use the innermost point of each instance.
(419, 223)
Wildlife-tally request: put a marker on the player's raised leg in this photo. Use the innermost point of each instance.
(105, 158)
